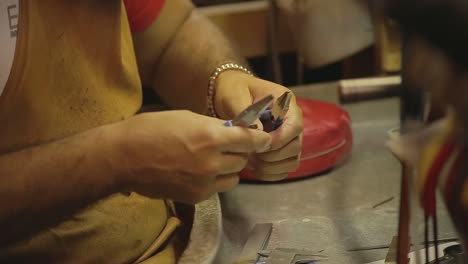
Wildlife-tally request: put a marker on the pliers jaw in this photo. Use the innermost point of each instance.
(251, 113)
(281, 106)
(273, 118)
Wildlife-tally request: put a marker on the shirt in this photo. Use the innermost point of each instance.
(75, 69)
(141, 13)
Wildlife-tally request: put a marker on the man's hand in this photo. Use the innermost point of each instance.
(184, 156)
(235, 91)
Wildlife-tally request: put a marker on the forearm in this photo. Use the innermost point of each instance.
(41, 185)
(182, 74)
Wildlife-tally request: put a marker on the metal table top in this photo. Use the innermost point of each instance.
(333, 212)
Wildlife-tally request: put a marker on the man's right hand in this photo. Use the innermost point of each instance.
(181, 155)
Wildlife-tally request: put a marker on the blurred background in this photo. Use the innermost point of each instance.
(295, 42)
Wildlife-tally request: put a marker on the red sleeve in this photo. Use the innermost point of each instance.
(141, 13)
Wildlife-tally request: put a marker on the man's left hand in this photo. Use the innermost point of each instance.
(235, 91)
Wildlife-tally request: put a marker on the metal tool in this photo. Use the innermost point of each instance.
(273, 118)
(443, 240)
(291, 256)
(452, 255)
(254, 250)
(258, 240)
(251, 113)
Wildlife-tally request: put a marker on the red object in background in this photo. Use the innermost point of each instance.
(141, 13)
(327, 138)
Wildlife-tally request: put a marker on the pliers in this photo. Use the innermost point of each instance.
(251, 113)
(273, 117)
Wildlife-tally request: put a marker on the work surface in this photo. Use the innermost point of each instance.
(333, 212)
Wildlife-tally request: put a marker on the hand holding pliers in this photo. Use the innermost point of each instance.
(271, 118)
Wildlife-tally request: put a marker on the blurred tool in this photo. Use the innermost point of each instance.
(412, 103)
(251, 113)
(273, 118)
(443, 23)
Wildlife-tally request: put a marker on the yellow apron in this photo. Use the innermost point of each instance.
(75, 69)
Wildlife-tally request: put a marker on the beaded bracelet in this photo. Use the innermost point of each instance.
(212, 83)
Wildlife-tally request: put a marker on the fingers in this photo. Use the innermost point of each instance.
(261, 167)
(232, 163)
(291, 128)
(226, 182)
(279, 149)
(244, 140)
(292, 149)
(272, 177)
(275, 165)
(201, 192)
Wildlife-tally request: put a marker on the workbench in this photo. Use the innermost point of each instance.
(332, 212)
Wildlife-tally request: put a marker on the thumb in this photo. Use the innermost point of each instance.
(228, 108)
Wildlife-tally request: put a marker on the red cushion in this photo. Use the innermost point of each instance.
(327, 138)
